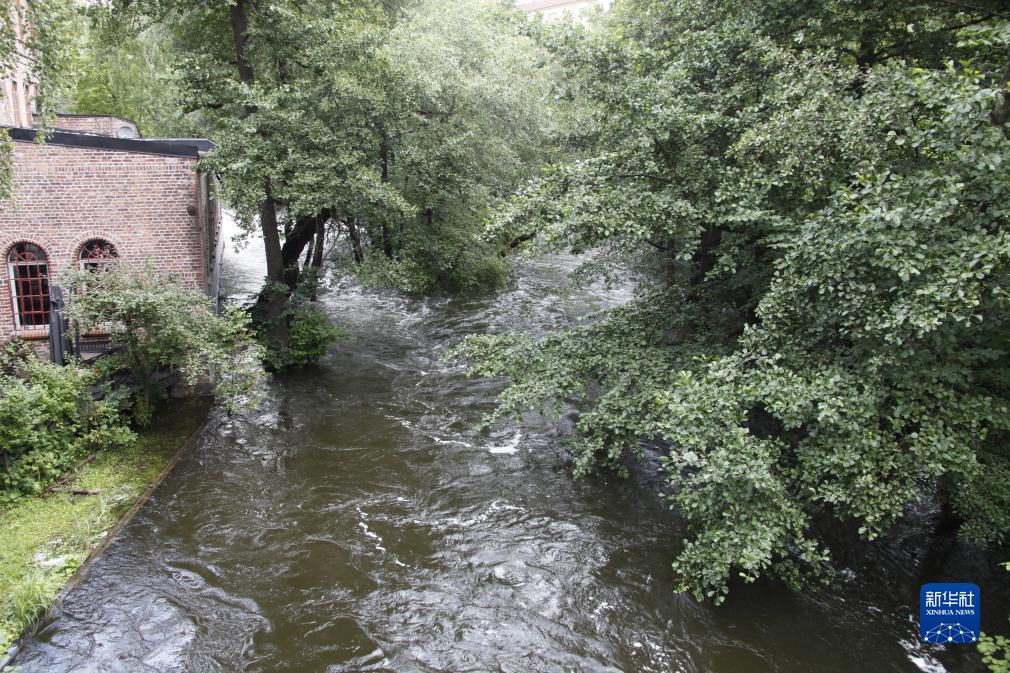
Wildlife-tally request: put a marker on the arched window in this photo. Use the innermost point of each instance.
(97, 254)
(28, 271)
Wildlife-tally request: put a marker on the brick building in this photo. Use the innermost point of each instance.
(93, 190)
(81, 196)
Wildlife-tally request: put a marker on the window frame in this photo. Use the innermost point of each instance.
(45, 290)
(85, 262)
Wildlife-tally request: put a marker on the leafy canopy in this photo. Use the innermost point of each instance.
(814, 194)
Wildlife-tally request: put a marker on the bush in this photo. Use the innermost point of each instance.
(48, 421)
(404, 274)
(420, 268)
(995, 649)
(310, 335)
(157, 323)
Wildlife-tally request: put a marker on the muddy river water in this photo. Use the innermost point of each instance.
(359, 522)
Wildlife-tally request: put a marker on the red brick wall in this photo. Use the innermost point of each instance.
(65, 196)
(102, 124)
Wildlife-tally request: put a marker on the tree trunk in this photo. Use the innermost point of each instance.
(273, 299)
(310, 250)
(866, 56)
(270, 305)
(239, 28)
(317, 252)
(271, 238)
(355, 236)
(303, 231)
(1001, 113)
(387, 244)
(942, 545)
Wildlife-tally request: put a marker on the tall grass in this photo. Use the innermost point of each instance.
(27, 602)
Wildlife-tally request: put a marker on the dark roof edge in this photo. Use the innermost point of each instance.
(202, 144)
(92, 141)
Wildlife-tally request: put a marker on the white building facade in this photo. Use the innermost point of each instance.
(562, 10)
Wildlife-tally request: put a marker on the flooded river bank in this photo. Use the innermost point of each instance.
(359, 522)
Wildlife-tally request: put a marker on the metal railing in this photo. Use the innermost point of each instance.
(62, 344)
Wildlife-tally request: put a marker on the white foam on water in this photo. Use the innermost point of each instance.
(924, 661)
(508, 448)
(368, 532)
(450, 441)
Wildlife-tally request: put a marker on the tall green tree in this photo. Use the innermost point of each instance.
(814, 196)
(395, 126)
(132, 73)
(467, 117)
(275, 84)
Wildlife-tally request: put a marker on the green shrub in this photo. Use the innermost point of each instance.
(48, 421)
(995, 649)
(310, 335)
(157, 323)
(420, 268)
(403, 274)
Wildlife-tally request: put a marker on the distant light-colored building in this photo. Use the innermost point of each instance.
(561, 10)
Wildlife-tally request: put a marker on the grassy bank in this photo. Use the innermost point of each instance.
(45, 539)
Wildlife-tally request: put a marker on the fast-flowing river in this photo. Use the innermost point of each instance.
(358, 522)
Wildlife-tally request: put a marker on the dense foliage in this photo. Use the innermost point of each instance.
(157, 323)
(129, 73)
(310, 334)
(48, 421)
(995, 649)
(392, 127)
(465, 117)
(814, 195)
